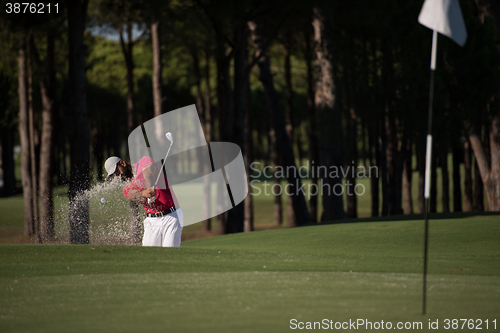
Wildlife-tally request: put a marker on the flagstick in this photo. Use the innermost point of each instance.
(428, 155)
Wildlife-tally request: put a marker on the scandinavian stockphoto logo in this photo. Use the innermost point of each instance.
(207, 178)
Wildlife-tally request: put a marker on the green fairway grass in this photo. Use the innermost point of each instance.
(12, 218)
(257, 282)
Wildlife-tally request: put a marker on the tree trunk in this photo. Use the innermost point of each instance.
(364, 145)
(200, 108)
(400, 152)
(242, 127)
(234, 221)
(61, 143)
(300, 147)
(328, 118)
(79, 134)
(390, 160)
(99, 148)
(207, 120)
(56, 162)
(421, 175)
(457, 188)
(407, 176)
(197, 79)
(116, 144)
(127, 50)
(29, 227)
(220, 227)
(374, 153)
(313, 140)
(290, 216)
(478, 190)
(490, 173)
(384, 171)
(221, 103)
(34, 173)
(468, 178)
(283, 142)
(236, 215)
(155, 39)
(353, 157)
(394, 166)
(9, 180)
(278, 208)
(226, 117)
(445, 179)
(208, 105)
(433, 190)
(248, 157)
(47, 88)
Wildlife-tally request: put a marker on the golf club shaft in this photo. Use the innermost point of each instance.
(159, 173)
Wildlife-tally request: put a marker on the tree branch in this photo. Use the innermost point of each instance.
(122, 42)
(85, 5)
(140, 37)
(217, 29)
(36, 57)
(257, 55)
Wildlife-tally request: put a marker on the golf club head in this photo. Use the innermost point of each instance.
(169, 137)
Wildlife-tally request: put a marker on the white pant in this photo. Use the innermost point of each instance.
(163, 231)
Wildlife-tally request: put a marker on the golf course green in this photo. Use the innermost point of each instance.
(266, 281)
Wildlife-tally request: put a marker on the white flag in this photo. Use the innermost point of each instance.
(444, 16)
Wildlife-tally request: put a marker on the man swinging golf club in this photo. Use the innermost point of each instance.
(164, 219)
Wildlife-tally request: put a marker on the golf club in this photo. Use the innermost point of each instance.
(171, 139)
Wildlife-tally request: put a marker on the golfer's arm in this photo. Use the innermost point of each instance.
(149, 175)
(149, 180)
(138, 195)
(135, 196)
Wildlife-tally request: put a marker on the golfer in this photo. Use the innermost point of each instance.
(164, 220)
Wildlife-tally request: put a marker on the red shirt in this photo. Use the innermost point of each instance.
(165, 197)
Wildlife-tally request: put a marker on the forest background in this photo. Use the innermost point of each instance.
(293, 83)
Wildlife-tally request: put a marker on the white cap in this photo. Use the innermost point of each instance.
(110, 164)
